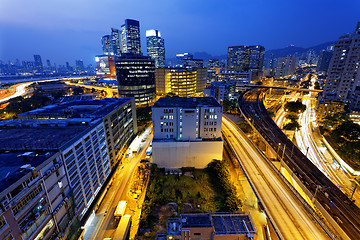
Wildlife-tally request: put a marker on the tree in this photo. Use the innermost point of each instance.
(78, 90)
(296, 107)
(332, 121)
(292, 125)
(292, 116)
(143, 115)
(229, 106)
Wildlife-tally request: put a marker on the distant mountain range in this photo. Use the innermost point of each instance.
(281, 52)
(291, 50)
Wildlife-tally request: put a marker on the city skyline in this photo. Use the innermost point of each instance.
(77, 34)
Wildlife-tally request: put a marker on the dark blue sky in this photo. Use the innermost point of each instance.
(65, 30)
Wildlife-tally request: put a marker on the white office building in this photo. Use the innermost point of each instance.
(187, 132)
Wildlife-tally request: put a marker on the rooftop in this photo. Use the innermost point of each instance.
(15, 164)
(186, 102)
(226, 224)
(38, 137)
(196, 220)
(78, 108)
(173, 227)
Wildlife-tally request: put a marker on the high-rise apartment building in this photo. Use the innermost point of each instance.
(310, 57)
(115, 42)
(324, 61)
(107, 45)
(130, 37)
(187, 131)
(38, 63)
(136, 78)
(184, 82)
(155, 47)
(285, 66)
(343, 73)
(246, 58)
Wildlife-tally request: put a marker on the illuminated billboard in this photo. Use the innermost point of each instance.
(105, 67)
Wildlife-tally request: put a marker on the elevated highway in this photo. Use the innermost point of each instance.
(338, 211)
(289, 216)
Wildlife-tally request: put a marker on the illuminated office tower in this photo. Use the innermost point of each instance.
(130, 37)
(106, 45)
(115, 41)
(136, 78)
(246, 58)
(155, 47)
(256, 58)
(38, 63)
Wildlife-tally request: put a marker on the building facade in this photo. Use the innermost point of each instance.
(184, 82)
(38, 63)
(326, 108)
(285, 66)
(115, 42)
(90, 136)
(343, 74)
(155, 47)
(35, 195)
(106, 45)
(187, 131)
(211, 226)
(324, 61)
(245, 58)
(105, 67)
(130, 37)
(136, 78)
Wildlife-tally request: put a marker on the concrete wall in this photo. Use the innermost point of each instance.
(186, 154)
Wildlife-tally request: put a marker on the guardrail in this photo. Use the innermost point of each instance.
(330, 233)
(271, 220)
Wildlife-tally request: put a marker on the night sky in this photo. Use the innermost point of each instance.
(65, 30)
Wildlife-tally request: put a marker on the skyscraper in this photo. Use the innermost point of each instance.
(106, 45)
(256, 58)
(38, 63)
(238, 58)
(155, 47)
(115, 41)
(130, 37)
(343, 73)
(246, 58)
(136, 78)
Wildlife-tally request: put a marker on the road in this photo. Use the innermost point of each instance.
(20, 91)
(110, 92)
(101, 224)
(281, 205)
(309, 142)
(345, 215)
